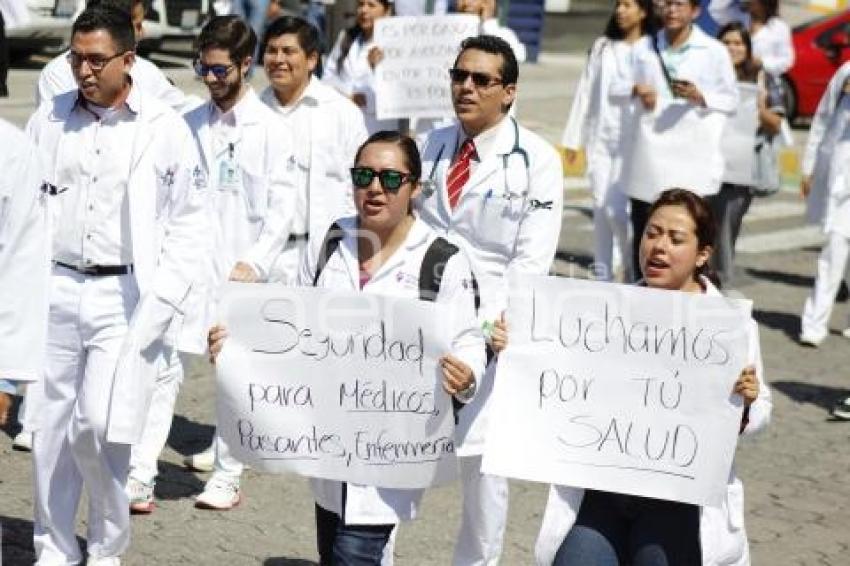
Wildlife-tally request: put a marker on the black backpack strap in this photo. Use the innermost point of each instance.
(667, 78)
(329, 246)
(434, 263)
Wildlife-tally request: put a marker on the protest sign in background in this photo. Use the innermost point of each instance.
(336, 385)
(618, 388)
(739, 137)
(412, 81)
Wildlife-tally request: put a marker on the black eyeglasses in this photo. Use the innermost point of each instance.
(219, 71)
(95, 62)
(390, 179)
(480, 80)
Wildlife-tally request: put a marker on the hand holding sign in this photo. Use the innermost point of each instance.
(620, 388)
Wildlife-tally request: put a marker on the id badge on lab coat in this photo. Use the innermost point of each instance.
(229, 175)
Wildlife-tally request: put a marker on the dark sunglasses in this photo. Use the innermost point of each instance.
(478, 79)
(390, 179)
(219, 71)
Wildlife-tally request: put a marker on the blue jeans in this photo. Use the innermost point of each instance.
(614, 529)
(349, 545)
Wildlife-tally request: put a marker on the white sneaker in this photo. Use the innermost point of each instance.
(23, 441)
(141, 496)
(846, 332)
(202, 461)
(103, 561)
(220, 494)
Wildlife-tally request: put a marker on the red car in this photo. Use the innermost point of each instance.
(821, 46)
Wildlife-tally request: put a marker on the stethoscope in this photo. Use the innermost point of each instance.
(429, 185)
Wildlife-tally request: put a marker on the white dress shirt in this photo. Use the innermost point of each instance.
(92, 209)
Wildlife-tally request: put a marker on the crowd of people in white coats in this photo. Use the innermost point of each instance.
(126, 205)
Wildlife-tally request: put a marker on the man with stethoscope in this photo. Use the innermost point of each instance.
(495, 189)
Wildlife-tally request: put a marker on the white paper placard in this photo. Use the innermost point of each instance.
(336, 385)
(618, 388)
(412, 81)
(739, 138)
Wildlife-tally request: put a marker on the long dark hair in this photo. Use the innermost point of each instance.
(352, 34)
(647, 27)
(748, 71)
(700, 212)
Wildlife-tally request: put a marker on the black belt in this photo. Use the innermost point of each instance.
(97, 270)
(297, 238)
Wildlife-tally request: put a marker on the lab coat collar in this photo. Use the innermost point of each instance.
(244, 112)
(496, 142)
(313, 96)
(697, 39)
(132, 102)
(416, 238)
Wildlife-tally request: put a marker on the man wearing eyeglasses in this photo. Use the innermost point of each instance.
(245, 159)
(129, 236)
(494, 189)
(685, 84)
(57, 77)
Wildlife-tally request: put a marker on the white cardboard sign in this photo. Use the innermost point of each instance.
(336, 385)
(739, 138)
(412, 81)
(618, 388)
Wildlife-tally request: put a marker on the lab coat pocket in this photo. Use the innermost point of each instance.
(256, 191)
(499, 219)
(735, 505)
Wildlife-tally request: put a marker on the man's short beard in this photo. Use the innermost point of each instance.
(230, 94)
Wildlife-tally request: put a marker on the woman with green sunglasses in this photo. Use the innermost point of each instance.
(382, 250)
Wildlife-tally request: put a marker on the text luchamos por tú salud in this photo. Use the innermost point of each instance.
(601, 330)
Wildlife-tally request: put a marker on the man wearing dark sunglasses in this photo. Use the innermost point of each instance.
(245, 161)
(495, 189)
(131, 240)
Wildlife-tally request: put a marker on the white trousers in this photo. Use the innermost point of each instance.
(88, 321)
(610, 218)
(225, 466)
(832, 266)
(144, 455)
(485, 515)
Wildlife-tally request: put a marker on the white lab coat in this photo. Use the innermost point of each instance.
(398, 277)
(678, 144)
(355, 75)
(508, 219)
(336, 130)
(24, 258)
(57, 78)
(722, 534)
(772, 44)
(168, 229)
(603, 106)
(253, 226)
(829, 125)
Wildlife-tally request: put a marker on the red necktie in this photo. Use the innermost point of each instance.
(459, 172)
